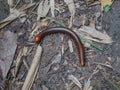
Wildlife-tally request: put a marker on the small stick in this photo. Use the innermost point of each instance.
(33, 69)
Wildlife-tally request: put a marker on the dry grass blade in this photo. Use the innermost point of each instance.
(92, 34)
(52, 6)
(33, 70)
(18, 61)
(43, 9)
(14, 14)
(110, 81)
(71, 85)
(22, 53)
(88, 86)
(71, 7)
(33, 77)
(75, 80)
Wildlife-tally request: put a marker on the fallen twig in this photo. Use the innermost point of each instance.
(33, 70)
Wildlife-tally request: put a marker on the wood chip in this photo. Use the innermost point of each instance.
(70, 45)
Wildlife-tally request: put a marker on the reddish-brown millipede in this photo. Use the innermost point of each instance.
(72, 34)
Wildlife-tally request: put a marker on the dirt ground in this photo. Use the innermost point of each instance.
(58, 70)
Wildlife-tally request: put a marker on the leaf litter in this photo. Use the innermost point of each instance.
(14, 14)
(44, 7)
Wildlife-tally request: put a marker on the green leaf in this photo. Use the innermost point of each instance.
(107, 8)
(91, 43)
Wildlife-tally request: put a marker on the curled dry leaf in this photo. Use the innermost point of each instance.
(75, 80)
(43, 9)
(92, 34)
(72, 10)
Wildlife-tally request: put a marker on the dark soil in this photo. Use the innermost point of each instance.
(4, 9)
(56, 78)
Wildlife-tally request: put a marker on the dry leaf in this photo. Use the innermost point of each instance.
(7, 50)
(52, 6)
(92, 34)
(71, 7)
(75, 80)
(43, 9)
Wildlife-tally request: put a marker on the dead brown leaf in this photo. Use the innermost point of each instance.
(7, 50)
